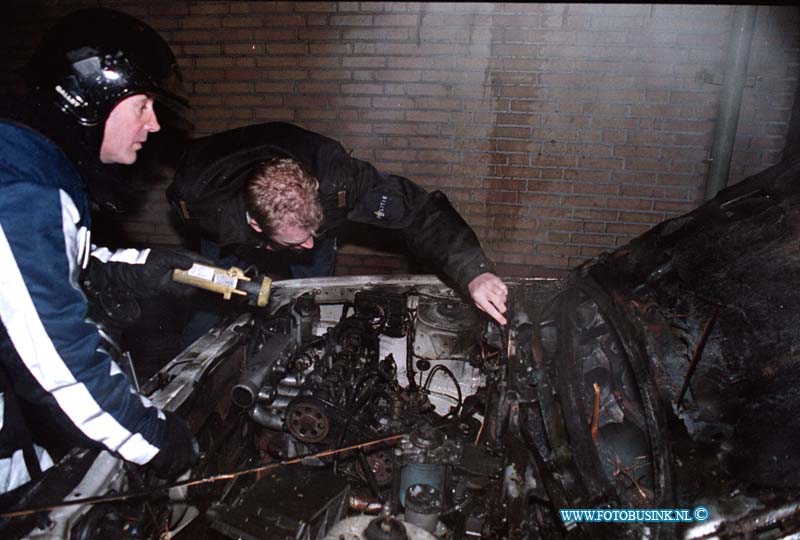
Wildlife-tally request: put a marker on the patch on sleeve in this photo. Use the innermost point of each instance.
(383, 207)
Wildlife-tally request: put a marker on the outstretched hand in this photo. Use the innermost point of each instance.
(489, 294)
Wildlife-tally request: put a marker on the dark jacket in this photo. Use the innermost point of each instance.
(208, 192)
(48, 348)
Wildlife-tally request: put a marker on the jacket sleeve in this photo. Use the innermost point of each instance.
(431, 228)
(439, 234)
(59, 356)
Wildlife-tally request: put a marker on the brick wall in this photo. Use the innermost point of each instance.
(558, 130)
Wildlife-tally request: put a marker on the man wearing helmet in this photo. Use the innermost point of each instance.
(91, 84)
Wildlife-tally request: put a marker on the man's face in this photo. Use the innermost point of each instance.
(126, 129)
(290, 236)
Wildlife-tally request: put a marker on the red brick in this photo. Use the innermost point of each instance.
(538, 199)
(594, 150)
(428, 116)
(209, 8)
(592, 251)
(385, 34)
(333, 75)
(628, 229)
(585, 202)
(645, 137)
(682, 139)
(692, 98)
(273, 113)
(362, 88)
(637, 151)
(557, 249)
(630, 204)
(305, 101)
(593, 227)
(504, 184)
(518, 119)
(200, 22)
(643, 164)
(554, 161)
(244, 48)
(437, 155)
(234, 87)
(213, 62)
(643, 191)
(382, 115)
(565, 120)
(416, 169)
(545, 260)
(595, 214)
(599, 163)
(350, 20)
(314, 6)
(508, 146)
(241, 22)
(274, 87)
(559, 225)
(624, 96)
(518, 105)
(617, 123)
(675, 180)
(199, 100)
(200, 76)
(317, 114)
(552, 174)
(396, 75)
(595, 189)
(239, 100)
(674, 206)
(593, 239)
(583, 175)
(560, 135)
(642, 217)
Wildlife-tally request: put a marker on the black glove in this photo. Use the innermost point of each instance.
(155, 276)
(179, 451)
(145, 280)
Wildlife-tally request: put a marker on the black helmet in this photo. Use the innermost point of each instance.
(93, 58)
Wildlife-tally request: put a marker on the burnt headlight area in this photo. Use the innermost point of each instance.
(666, 372)
(601, 400)
(591, 422)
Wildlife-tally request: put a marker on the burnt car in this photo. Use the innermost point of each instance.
(660, 376)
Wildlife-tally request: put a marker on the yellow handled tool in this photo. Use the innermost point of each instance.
(226, 282)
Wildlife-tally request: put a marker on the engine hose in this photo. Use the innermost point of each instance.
(346, 426)
(412, 384)
(440, 367)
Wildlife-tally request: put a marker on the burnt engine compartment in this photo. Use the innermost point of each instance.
(420, 370)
